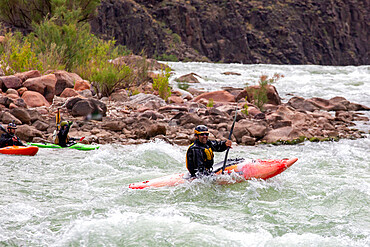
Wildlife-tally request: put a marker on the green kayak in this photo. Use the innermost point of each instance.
(78, 146)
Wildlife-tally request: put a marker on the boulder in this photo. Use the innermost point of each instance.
(271, 93)
(189, 78)
(141, 99)
(10, 81)
(22, 114)
(85, 93)
(154, 130)
(217, 96)
(193, 118)
(27, 133)
(90, 108)
(240, 131)
(120, 95)
(282, 134)
(34, 99)
(20, 103)
(13, 96)
(301, 104)
(69, 92)
(40, 125)
(113, 125)
(45, 85)
(35, 115)
(71, 102)
(6, 118)
(81, 85)
(28, 74)
(175, 99)
(65, 80)
(82, 108)
(5, 101)
(22, 90)
(12, 91)
(151, 115)
(256, 128)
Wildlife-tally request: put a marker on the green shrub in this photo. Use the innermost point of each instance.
(260, 93)
(245, 109)
(168, 57)
(210, 102)
(17, 55)
(161, 84)
(109, 77)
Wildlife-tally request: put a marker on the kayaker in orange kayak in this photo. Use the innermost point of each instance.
(199, 157)
(9, 138)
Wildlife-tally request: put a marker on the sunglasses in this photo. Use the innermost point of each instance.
(204, 134)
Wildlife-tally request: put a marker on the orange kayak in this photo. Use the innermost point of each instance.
(247, 169)
(19, 150)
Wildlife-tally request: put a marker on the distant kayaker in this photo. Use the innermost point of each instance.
(199, 157)
(9, 138)
(62, 138)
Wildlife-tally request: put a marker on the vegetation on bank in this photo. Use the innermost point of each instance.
(259, 94)
(61, 39)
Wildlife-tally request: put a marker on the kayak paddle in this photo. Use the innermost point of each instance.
(3, 129)
(228, 148)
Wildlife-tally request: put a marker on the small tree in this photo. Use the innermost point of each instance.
(260, 93)
(161, 84)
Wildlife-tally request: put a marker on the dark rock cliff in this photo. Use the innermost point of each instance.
(262, 31)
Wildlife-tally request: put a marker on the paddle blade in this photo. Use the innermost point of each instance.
(57, 119)
(81, 139)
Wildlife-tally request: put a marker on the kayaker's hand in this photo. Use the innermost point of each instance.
(228, 143)
(14, 139)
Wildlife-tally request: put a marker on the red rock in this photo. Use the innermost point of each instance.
(81, 85)
(28, 74)
(11, 81)
(22, 90)
(65, 80)
(217, 96)
(272, 94)
(175, 99)
(69, 92)
(45, 85)
(34, 99)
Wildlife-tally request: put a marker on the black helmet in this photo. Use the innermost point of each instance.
(12, 126)
(201, 129)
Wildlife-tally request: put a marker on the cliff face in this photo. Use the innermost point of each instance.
(262, 31)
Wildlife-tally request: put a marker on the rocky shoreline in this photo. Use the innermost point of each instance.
(31, 100)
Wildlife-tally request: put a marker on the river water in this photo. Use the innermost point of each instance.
(76, 198)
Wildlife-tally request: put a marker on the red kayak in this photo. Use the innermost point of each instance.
(19, 150)
(247, 169)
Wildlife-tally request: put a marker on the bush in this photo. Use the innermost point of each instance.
(17, 55)
(109, 77)
(161, 84)
(210, 102)
(260, 93)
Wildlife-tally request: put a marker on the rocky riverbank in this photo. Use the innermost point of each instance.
(31, 100)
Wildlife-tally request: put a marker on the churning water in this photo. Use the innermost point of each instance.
(76, 198)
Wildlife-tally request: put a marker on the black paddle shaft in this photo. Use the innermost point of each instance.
(228, 148)
(3, 129)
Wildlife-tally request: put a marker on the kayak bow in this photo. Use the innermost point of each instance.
(247, 169)
(19, 150)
